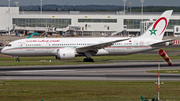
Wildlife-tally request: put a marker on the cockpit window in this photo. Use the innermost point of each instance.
(9, 45)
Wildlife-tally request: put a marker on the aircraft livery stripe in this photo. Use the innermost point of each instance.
(34, 48)
(16, 48)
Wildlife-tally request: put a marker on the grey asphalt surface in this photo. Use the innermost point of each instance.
(119, 70)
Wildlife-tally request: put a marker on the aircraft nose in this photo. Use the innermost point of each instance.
(2, 51)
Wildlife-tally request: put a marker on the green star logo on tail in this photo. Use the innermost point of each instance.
(153, 31)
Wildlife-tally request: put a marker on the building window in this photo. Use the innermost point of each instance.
(177, 29)
(173, 22)
(133, 23)
(41, 22)
(97, 20)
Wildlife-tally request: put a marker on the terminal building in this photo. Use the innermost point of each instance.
(81, 23)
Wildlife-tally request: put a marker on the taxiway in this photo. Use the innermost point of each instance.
(119, 70)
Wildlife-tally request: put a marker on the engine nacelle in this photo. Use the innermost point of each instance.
(66, 53)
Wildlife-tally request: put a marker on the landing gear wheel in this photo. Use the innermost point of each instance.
(88, 60)
(91, 60)
(85, 59)
(17, 60)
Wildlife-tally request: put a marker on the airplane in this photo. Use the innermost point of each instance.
(69, 48)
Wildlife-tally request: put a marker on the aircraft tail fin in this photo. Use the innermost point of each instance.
(157, 29)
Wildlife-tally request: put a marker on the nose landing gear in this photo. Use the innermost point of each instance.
(17, 58)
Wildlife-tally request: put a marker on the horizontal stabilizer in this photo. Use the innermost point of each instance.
(161, 42)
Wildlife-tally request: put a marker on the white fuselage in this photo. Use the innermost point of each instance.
(49, 46)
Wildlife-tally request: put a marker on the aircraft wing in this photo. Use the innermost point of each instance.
(161, 42)
(98, 46)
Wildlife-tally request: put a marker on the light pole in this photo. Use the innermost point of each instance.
(124, 5)
(9, 2)
(142, 1)
(130, 3)
(9, 17)
(41, 6)
(17, 3)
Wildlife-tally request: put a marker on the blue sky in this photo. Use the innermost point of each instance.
(96, 2)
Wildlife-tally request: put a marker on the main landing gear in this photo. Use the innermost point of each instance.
(88, 60)
(17, 58)
(88, 57)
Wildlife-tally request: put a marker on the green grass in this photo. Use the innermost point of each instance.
(177, 71)
(85, 90)
(176, 48)
(46, 63)
(96, 58)
(30, 61)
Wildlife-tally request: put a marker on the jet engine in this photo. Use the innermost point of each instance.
(66, 53)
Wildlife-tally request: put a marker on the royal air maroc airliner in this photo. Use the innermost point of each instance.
(69, 48)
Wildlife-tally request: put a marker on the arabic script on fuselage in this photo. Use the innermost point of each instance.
(42, 40)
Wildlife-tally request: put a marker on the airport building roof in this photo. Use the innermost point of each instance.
(92, 13)
(102, 22)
